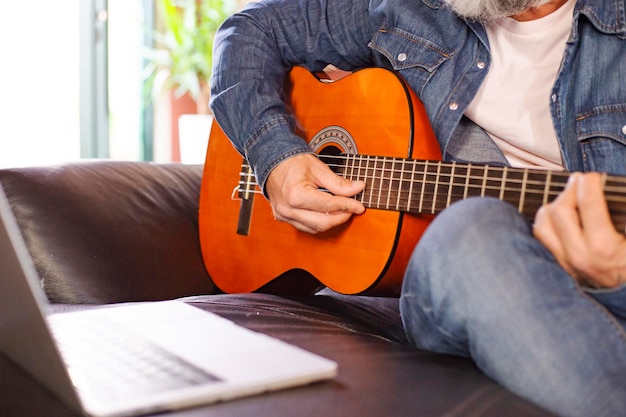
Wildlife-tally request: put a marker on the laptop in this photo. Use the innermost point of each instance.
(191, 357)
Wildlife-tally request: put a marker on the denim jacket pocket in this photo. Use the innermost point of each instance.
(602, 138)
(405, 50)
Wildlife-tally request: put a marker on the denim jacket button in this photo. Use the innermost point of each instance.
(480, 65)
(624, 129)
(454, 106)
(402, 57)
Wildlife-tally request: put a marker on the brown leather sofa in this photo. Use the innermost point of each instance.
(108, 232)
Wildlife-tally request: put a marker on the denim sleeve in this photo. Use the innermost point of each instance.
(254, 50)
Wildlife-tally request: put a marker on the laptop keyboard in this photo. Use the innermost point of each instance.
(106, 359)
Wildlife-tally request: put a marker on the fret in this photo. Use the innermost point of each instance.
(474, 181)
(372, 163)
(467, 178)
(535, 192)
(424, 182)
(556, 184)
(444, 180)
(460, 183)
(391, 179)
(485, 176)
(409, 186)
(351, 172)
(395, 185)
(411, 182)
(375, 186)
(340, 167)
(363, 175)
(449, 199)
(511, 192)
(520, 206)
(503, 183)
(359, 175)
(434, 194)
(357, 167)
(370, 173)
(363, 172)
(349, 166)
(385, 180)
(547, 187)
(404, 184)
(493, 186)
(393, 189)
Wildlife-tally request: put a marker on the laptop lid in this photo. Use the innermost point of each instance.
(244, 362)
(24, 335)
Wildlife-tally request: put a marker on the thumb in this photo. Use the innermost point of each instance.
(339, 185)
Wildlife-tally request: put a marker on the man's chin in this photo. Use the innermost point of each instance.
(490, 10)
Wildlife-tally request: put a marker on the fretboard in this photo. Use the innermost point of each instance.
(419, 186)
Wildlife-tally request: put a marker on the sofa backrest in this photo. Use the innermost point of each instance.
(111, 231)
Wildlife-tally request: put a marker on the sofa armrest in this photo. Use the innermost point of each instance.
(110, 231)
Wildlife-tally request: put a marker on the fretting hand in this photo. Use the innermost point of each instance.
(577, 229)
(293, 188)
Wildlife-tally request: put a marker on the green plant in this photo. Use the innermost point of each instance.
(182, 57)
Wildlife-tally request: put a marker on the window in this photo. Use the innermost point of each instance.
(113, 115)
(71, 83)
(71, 79)
(130, 133)
(39, 101)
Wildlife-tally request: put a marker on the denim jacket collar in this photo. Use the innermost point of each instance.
(608, 16)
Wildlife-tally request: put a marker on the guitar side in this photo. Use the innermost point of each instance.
(366, 255)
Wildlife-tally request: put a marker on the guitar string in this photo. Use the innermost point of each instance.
(612, 184)
(466, 167)
(376, 161)
(423, 203)
(530, 197)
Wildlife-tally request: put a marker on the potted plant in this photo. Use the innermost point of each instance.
(181, 59)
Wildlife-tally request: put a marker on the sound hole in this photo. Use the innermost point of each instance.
(329, 155)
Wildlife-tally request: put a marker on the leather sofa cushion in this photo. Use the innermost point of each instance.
(379, 373)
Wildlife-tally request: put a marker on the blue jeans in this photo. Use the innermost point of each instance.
(479, 285)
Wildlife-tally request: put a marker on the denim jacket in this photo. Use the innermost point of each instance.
(443, 58)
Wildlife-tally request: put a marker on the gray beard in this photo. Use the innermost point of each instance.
(489, 10)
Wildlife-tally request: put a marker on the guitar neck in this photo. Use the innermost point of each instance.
(422, 186)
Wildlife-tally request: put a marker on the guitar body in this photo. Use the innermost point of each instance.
(368, 112)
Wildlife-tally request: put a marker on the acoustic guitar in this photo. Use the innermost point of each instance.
(351, 124)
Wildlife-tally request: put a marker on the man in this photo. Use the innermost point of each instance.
(540, 307)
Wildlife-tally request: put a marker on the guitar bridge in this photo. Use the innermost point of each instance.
(245, 191)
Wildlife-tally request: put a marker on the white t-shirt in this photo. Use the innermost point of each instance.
(513, 103)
